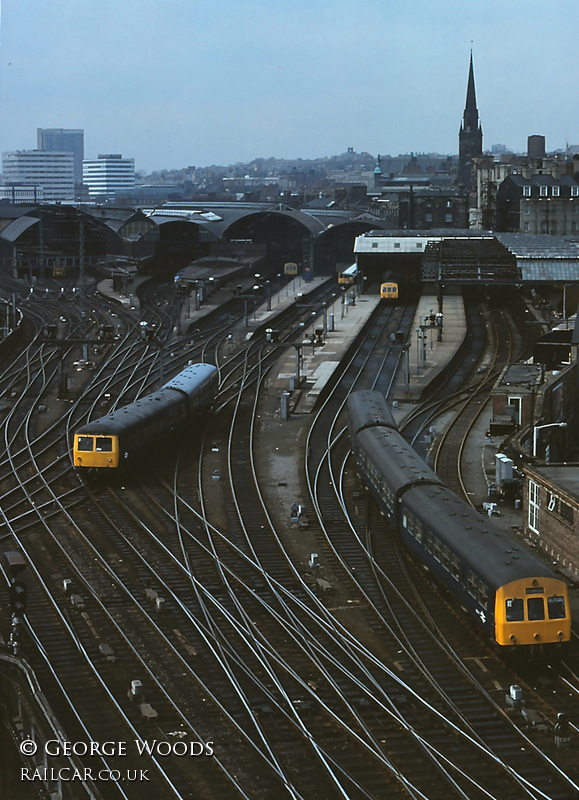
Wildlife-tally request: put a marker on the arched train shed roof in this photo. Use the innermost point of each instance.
(219, 218)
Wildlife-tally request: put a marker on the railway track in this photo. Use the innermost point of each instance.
(194, 584)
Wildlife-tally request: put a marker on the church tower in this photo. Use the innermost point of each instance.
(470, 134)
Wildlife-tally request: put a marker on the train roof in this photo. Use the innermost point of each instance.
(191, 377)
(123, 419)
(395, 459)
(495, 556)
(367, 408)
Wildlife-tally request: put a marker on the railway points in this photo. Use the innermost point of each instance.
(336, 593)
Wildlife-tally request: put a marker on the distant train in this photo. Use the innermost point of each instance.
(121, 437)
(348, 276)
(519, 601)
(389, 290)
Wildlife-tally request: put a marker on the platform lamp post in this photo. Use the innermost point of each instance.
(537, 428)
(418, 351)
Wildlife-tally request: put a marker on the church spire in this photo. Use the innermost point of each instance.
(470, 134)
(470, 117)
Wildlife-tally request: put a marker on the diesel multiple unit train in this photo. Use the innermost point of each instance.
(519, 601)
(121, 437)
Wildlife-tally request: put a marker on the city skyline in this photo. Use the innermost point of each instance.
(183, 84)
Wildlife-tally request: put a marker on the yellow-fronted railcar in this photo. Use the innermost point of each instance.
(389, 290)
(123, 436)
(519, 601)
(532, 611)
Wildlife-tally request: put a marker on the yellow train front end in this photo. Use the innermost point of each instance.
(389, 291)
(96, 452)
(532, 611)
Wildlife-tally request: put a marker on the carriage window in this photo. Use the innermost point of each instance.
(436, 549)
(472, 584)
(535, 608)
(515, 610)
(556, 607)
(483, 595)
(104, 444)
(445, 557)
(85, 443)
(455, 567)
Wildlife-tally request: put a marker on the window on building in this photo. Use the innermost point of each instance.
(449, 203)
(526, 191)
(556, 191)
(396, 244)
(374, 244)
(575, 191)
(543, 191)
(566, 512)
(534, 500)
(428, 217)
(448, 217)
(527, 227)
(515, 401)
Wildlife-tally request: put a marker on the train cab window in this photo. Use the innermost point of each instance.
(515, 610)
(535, 608)
(85, 443)
(556, 607)
(104, 444)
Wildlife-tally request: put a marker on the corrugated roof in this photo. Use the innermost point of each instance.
(525, 245)
(548, 269)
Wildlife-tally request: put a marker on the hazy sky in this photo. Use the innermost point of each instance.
(179, 82)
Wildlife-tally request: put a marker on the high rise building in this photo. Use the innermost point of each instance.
(470, 134)
(108, 176)
(536, 146)
(64, 140)
(52, 172)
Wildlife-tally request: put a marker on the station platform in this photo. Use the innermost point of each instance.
(344, 321)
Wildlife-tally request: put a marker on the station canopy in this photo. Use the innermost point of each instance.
(479, 257)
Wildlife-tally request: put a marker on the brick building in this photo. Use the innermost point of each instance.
(538, 204)
(513, 397)
(551, 502)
